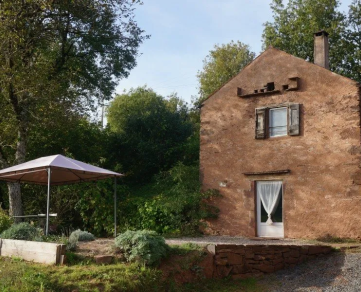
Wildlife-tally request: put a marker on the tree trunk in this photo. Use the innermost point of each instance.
(15, 202)
(16, 207)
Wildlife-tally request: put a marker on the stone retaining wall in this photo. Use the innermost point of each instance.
(242, 261)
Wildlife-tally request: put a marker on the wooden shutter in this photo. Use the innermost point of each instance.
(261, 123)
(294, 119)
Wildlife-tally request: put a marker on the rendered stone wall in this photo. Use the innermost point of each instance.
(242, 261)
(38, 252)
(322, 192)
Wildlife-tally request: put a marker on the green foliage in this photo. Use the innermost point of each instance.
(22, 231)
(295, 23)
(23, 276)
(173, 204)
(5, 220)
(185, 248)
(83, 235)
(76, 236)
(150, 132)
(59, 57)
(352, 41)
(222, 63)
(72, 243)
(96, 206)
(145, 247)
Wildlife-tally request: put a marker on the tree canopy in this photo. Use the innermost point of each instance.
(295, 23)
(222, 63)
(66, 55)
(151, 131)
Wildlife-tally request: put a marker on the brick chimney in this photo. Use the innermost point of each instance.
(320, 51)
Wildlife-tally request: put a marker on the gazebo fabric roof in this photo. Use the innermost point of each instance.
(64, 170)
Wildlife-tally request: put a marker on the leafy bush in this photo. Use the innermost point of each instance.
(23, 231)
(72, 242)
(145, 247)
(173, 204)
(83, 235)
(78, 235)
(5, 220)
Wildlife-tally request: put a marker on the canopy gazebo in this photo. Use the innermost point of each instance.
(58, 170)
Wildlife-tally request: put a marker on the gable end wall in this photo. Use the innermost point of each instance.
(322, 193)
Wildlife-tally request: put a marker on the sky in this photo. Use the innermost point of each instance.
(183, 32)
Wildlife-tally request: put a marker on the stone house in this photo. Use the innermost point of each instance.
(281, 142)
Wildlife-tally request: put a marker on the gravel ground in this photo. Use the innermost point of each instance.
(236, 240)
(336, 272)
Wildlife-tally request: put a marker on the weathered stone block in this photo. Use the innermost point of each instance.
(221, 261)
(279, 266)
(319, 249)
(291, 254)
(304, 250)
(269, 256)
(239, 269)
(291, 260)
(223, 271)
(259, 258)
(211, 248)
(235, 259)
(278, 260)
(249, 255)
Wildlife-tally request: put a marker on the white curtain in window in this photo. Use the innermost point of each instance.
(269, 194)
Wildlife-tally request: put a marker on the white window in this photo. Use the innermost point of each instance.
(278, 122)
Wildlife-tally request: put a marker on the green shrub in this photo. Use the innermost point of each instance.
(5, 220)
(83, 235)
(145, 247)
(22, 231)
(173, 204)
(78, 235)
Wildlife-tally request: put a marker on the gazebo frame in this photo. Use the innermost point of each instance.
(58, 170)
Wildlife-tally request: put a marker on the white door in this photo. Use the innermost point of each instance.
(270, 209)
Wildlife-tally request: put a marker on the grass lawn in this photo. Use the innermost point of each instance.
(17, 275)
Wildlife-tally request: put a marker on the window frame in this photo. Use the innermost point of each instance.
(262, 120)
(269, 128)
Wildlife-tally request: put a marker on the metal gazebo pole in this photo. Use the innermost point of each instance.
(48, 203)
(115, 206)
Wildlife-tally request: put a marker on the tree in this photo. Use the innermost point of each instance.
(294, 25)
(352, 57)
(150, 132)
(60, 54)
(222, 63)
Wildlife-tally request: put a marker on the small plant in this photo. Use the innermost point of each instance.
(5, 220)
(23, 231)
(78, 235)
(83, 235)
(145, 247)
